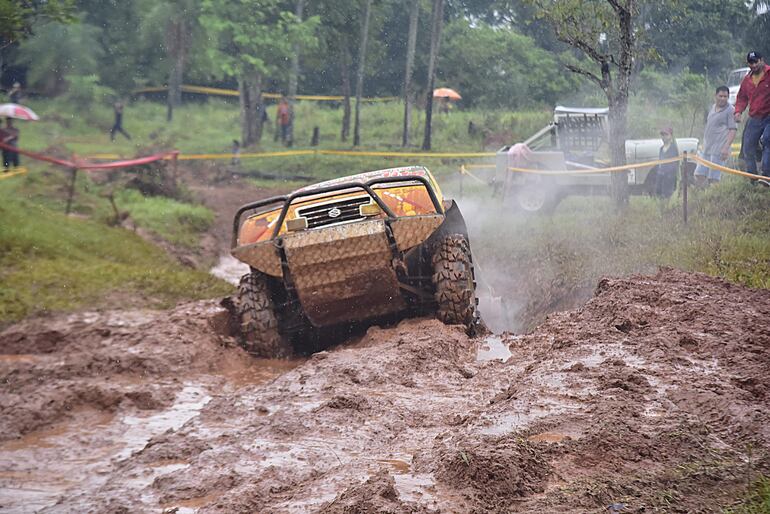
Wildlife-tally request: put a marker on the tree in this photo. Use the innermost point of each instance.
(17, 19)
(360, 71)
(437, 21)
(602, 30)
(252, 39)
(57, 51)
(414, 13)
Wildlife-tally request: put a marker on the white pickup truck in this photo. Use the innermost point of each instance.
(576, 139)
(734, 82)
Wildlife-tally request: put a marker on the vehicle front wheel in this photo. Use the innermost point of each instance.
(258, 324)
(454, 282)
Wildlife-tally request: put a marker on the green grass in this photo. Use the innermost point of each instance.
(757, 499)
(52, 262)
(177, 222)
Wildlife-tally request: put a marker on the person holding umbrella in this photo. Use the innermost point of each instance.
(10, 136)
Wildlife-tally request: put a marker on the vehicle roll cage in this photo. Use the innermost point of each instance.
(366, 186)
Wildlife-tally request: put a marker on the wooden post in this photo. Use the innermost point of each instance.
(685, 180)
(71, 191)
(315, 138)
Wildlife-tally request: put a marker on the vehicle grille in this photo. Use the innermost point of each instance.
(318, 215)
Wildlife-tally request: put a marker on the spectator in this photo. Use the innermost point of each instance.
(665, 174)
(717, 138)
(15, 94)
(755, 93)
(10, 137)
(118, 125)
(236, 161)
(284, 117)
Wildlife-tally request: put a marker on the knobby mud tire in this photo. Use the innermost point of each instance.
(257, 321)
(454, 281)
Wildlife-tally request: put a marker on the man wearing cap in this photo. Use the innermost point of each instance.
(755, 93)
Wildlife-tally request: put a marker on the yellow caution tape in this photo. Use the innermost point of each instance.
(232, 92)
(17, 171)
(597, 170)
(428, 155)
(480, 166)
(725, 168)
(256, 155)
(464, 171)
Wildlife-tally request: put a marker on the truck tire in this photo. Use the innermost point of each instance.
(454, 283)
(257, 321)
(536, 199)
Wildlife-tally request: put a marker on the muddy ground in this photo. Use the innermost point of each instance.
(651, 397)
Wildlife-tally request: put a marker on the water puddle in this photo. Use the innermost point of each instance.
(493, 348)
(191, 505)
(398, 466)
(13, 358)
(37, 469)
(230, 269)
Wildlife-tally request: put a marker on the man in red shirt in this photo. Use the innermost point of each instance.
(755, 92)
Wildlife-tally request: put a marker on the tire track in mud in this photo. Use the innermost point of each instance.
(651, 395)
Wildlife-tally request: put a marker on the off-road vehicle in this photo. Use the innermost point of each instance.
(347, 250)
(576, 139)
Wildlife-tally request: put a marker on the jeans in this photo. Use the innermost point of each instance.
(757, 129)
(710, 173)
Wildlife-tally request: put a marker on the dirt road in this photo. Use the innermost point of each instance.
(653, 395)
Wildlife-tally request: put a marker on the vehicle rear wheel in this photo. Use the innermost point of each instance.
(454, 282)
(256, 317)
(536, 198)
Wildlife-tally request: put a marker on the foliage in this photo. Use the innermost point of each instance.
(700, 35)
(254, 36)
(17, 19)
(495, 67)
(57, 50)
(85, 90)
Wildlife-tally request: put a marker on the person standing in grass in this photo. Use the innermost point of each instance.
(10, 136)
(15, 94)
(284, 116)
(754, 93)
(118, 125)
(665, 174)
(717, 138)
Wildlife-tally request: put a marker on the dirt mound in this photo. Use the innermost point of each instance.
(651, 397)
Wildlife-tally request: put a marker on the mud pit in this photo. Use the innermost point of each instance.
(653, 395)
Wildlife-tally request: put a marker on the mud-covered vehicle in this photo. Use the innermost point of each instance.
(576, 139)
(348, 250)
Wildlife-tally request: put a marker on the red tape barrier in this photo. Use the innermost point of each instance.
(86, 165)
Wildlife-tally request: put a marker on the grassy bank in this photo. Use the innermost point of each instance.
(52, 262)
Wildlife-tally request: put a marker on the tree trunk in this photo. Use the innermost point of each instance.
(294, 74)
(345, 65)
(414, 13)
(176, 44)
(250, 96)
(437, 21)
(618, 104)
(360, 72)
(618, 128)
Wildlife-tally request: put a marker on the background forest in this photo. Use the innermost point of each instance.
(498, 53)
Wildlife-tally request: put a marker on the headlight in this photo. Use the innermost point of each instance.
(254, 229)
(407, 200)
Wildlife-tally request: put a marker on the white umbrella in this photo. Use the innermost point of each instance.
(17, 111)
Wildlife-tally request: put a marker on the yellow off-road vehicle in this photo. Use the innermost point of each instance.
(348, 250)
